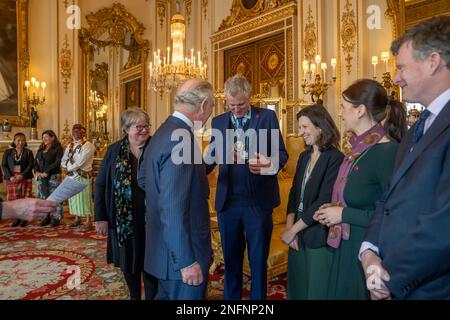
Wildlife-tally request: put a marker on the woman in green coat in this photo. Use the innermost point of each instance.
(377, 124)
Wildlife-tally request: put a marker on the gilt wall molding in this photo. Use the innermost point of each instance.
(66, 63)
(188, 8)
(205, 8)
(310, 42)
(161, 7)
(277, 14)
(348, 34)
(239, 12)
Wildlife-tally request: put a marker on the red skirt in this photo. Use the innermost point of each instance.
(19, 190)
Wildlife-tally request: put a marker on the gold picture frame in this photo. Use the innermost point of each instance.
(21, 117)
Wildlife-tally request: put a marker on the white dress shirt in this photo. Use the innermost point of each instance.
(83, 158)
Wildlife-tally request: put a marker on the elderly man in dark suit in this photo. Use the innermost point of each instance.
(250, 153)
(406, 251)
(173, 175)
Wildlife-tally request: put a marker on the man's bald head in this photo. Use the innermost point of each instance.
(192, 93)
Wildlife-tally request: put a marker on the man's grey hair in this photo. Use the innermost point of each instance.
(193, 97)
(432, 35)
(236, 84)
(132, 116)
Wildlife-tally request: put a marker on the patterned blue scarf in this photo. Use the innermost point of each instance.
(122, 192)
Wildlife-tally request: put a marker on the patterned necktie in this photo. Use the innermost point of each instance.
(420, 126)
(239, 122)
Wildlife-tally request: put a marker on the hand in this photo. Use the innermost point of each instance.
(12, 179)
(288, 236)
(101, 227)
(376, 276)
(44, 175)
(28, 209)
(329, 216)
(192, 275)
(19, 178)
(260, 164)
(326, 205)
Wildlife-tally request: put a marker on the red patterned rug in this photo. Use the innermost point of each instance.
(69, 264)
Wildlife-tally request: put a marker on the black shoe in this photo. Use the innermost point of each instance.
(75, 224)
(46, 221)
(16, 223)
(55, 223)
(23, 223)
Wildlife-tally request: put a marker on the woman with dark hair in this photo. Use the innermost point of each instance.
(119, 203)
(377, 124)
(17, 166)
(309, 259)
(47, 170)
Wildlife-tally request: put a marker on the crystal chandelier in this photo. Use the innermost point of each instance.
(173, 67)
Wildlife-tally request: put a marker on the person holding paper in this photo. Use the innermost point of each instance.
(26, 209)
(119, 203)
(17, 166)
(77, 163)
(47, 170)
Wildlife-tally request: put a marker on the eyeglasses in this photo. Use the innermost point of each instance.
(141, 127)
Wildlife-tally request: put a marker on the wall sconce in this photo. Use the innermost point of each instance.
(318, 86)
(386, 79)
(35, 96)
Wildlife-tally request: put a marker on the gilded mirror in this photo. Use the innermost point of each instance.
(112, 46)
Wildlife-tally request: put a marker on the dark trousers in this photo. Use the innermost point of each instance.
(134, 285)
(240, 226)
(177, 290)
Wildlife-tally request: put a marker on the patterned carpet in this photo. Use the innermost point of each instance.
(69, 264)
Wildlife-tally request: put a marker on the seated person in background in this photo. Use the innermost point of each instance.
(47, 170)
(309, 259)
(17, 166)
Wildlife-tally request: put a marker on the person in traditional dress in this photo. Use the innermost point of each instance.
(77, 163)
(17, 166)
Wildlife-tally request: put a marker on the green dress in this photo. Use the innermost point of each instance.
(307, 272)
(365, 185)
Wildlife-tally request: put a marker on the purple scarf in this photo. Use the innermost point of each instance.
(359, 145)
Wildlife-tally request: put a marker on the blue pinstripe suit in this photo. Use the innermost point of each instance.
(177, 217)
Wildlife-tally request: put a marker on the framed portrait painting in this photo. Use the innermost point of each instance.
(14, 60)
(133, 93)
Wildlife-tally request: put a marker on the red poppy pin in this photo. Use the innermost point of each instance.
(356, 168)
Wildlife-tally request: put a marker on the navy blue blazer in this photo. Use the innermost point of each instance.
(412, 220)
(265, 187)
(318, 191)
(177, 213)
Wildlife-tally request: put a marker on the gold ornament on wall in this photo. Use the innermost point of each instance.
(66, 63)
(188, 6)
(348, 34)
(205, 8)
(161, 7)
(242, 10)
(310, 36)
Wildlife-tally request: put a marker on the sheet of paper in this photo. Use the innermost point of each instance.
(67, 189)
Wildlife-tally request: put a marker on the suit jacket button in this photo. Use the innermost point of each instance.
(387, 212)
